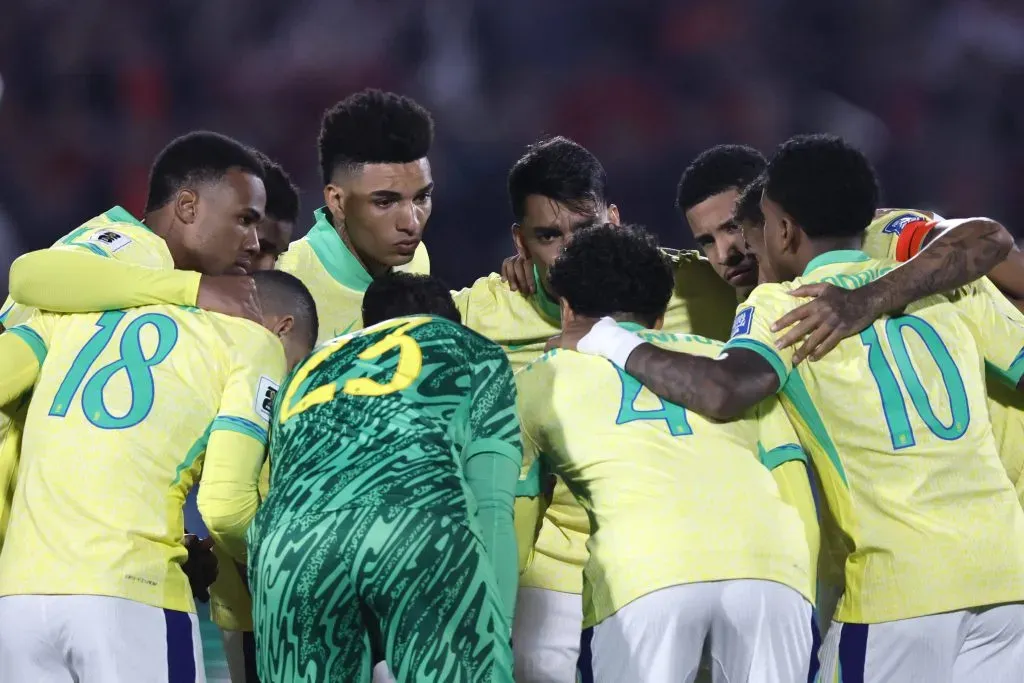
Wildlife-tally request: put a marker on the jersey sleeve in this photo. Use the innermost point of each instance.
(752, 328)
(1000, 338)
(23, 349)
(235, 453)
(777, 442)
(896, 234)
(100, 269)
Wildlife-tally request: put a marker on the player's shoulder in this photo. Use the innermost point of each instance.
(110, 232)
(687, 263)
(420, 262)
(893, 221)
(295, 257)
(690, 343)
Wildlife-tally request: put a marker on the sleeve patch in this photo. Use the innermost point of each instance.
(744, 319)
(110, 240)
(265, 393)
(896, 225)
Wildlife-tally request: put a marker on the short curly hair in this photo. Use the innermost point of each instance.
(748, 206)
(559, 169)
(826, 184)
(282, 195)
(373, 127)
(607, 269)
(193, 159)
(399, 294)
(721, 168)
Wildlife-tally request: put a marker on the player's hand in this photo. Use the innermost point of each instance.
(201, 566)
(833, 315)
(233, 295)
(518, 272)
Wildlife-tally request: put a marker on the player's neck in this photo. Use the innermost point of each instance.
(813, 248)
(159, 222)
(374, 268)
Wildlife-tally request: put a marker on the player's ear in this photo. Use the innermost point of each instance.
(789, 234)
(517, 239)
(613, 215)
(334, 200)
(185, 206)
(568, 315)
(282, 326)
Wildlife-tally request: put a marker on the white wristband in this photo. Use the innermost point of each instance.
(608, 340)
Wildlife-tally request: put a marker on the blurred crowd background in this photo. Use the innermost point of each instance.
(932, 89)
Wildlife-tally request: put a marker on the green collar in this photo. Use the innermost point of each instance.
(545, 304)
(119, 215)
(838, 256)
(336, 258)
(632, 327)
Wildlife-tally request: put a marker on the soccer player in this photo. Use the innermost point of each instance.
(685, 548)
(230, 604)
(388, 527)
(128, 407)
(377, 199)
(706, 196)
(206, 198)
(278, 224)
(935, 572)
(556, 188)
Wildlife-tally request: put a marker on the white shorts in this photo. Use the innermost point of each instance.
(546, 635)
(983, 645)
(96, 639)
(756, 632)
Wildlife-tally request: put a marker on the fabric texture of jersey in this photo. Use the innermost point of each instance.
(1005, 405)
(423, 599)
(672, 497)
(116, 432)
(910, 470)
(701, 304)
(113, 234)
(335, 277)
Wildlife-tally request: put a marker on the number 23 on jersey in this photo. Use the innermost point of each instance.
(410, 363)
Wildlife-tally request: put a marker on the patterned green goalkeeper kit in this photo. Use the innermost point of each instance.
(387, 532)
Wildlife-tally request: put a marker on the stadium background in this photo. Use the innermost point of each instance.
(933, 90)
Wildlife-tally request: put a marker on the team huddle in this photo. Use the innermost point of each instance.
(796, 457)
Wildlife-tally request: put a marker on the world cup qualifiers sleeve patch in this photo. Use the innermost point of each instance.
(110, 240)
(265, 393)
(896, 225)
(741, 325)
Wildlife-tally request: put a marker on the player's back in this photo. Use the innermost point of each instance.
(672, 497)
(896, 420)
(114, 438)
(384, 417)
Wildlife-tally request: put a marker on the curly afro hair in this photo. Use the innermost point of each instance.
(373, 127)
(607, 269)
(721, 168)
(826, 185)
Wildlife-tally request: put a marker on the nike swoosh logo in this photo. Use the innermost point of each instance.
(338, 333)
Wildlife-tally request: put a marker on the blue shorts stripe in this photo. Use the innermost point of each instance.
(585, 664)
(853, 648)
(181, 655)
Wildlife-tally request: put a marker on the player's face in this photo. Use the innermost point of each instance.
(385, 208)
(274, 236)
(548, 226)
(778, 258)
(221, 237)
(753, 234)
(722, 240)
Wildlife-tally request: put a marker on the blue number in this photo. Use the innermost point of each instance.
(893, 405)
(673, 415)
(132, 360)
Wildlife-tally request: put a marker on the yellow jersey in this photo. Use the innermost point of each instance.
(886, 239)
(124, 406)
(701, 304)
(896, 423)
(673, 498)
(115, 234)
(335, 277)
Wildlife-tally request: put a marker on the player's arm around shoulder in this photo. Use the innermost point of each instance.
(105, 267)
(229, 492)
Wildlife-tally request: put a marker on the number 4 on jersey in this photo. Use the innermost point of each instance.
(673, 415)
